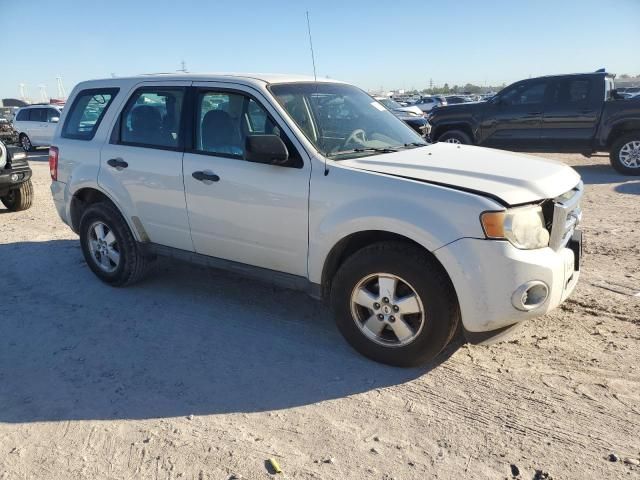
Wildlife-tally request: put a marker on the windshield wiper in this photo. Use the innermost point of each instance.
(365, 149)
(415, 144)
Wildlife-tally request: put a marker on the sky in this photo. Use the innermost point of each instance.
(373, 44)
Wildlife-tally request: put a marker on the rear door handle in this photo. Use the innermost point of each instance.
(117, 163)
(205, 176)
(534, 113)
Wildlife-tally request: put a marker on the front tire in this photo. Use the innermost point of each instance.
(109, 247)
(455, 136)
(25, 142)
(625, 154)
(20, 198)
(394, 304)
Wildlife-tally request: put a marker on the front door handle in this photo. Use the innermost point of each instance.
(534, 113)
(117, 163)
(205, 176)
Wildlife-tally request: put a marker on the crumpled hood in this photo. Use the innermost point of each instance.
(513, 178)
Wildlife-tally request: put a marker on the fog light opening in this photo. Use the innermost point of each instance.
(530, 295)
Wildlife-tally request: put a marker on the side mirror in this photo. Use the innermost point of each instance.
(54, 119)
(268, 149)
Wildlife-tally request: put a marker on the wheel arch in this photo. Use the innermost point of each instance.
(462, 126)
(86, 196)
(622, 128)
(356, 241)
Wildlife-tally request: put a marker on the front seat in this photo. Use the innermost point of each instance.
(220, 134)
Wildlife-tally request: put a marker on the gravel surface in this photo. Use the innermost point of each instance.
(196, 374)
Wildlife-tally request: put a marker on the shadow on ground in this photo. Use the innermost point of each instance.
(186, 341)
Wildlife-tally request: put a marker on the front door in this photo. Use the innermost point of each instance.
(141, 165)
(571, 114)
(512, 119)
(246, 212)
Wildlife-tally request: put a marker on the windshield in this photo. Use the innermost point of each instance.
(342, 121)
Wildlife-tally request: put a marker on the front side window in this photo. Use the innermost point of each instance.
(152, 118)
(525, 94)
(52, 115)
(86, 113)
(225, 119)
(342, 121)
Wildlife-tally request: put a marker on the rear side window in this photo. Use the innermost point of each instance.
(152, 118)
(86, 113)
(22, 116)
(571, 92)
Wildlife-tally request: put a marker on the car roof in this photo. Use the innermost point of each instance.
(252, 79)
(39, 105)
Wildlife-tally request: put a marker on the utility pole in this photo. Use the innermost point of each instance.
(23, 94)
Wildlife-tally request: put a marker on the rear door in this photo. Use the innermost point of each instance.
(571, 113)
(250, 213)
(513, 118)
(141, 164)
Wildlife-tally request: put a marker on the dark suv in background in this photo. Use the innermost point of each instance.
(579, 113)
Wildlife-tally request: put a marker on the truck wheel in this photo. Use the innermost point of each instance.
(394, 304)
(20, 198)
(109, 247)
(625, 154)
(455, 136)
(25, 142)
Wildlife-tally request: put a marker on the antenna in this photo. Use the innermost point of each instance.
(183, 67)
(313, 57)
(315, 78)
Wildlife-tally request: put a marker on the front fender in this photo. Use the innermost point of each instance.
(357, 201)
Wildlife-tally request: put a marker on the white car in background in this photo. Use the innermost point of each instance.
(36, 125)
(426, 104)
(394, 106)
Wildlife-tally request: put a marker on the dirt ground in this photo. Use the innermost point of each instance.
(197, 375)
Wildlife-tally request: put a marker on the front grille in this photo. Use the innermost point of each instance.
(565, 217)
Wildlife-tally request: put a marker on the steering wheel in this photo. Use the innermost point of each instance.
(358, 136)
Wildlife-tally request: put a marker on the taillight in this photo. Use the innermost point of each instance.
(53, 163)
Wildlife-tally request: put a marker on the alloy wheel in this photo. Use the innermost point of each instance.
(387, 309)
(630, 154)
(104, 247)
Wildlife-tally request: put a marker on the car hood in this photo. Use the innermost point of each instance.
(511, 178)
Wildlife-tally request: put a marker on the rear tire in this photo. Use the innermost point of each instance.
(625, 154)
(19, 199)
(115, 256)
(417, 275)
(25, 142)
(455, 136)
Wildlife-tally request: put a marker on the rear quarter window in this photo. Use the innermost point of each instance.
(86, 113)
(22, 116)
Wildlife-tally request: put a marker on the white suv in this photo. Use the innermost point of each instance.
(36, 125)
(316, 186)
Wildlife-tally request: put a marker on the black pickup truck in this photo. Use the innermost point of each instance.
(578, 113)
